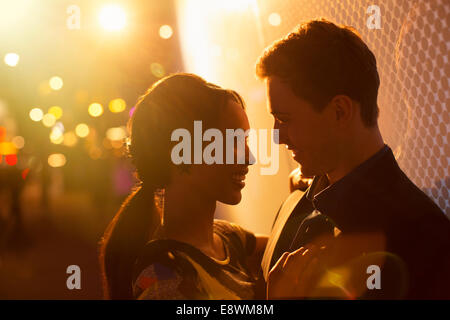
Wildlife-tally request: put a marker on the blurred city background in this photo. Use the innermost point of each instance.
(71, 72)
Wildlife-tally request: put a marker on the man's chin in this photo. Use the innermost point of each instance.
(308, 173)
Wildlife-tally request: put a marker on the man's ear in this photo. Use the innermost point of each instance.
(345, 109)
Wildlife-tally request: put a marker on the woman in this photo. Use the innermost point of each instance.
(190, 255)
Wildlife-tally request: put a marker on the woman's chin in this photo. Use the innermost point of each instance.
(232, 198)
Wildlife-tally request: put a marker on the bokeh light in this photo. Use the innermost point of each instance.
(56, 83)
(18, 142)
(117, 105)
(56, 160)
(25, 173)
(3, 109)
(56, 111)
(70, 139)
(112, 17)
(274, 19)
(2, 133)
(60, 126)
(12, 59)
(56, 135)
(36, 114)
(157, 70)
(95, 110)
(11, 159)
(165, 31)
(49, 120)
(116, 134)
(95, 153)
(82, 130)
(7, 148)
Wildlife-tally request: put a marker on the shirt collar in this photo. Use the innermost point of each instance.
(325, 197)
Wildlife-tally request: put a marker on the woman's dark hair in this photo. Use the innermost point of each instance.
(173, 102)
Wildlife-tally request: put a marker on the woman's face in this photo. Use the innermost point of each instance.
(224, 182)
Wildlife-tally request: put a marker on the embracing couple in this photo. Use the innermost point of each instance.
(361, 229)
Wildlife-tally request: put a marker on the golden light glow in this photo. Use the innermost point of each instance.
(95, 110)
(7, 148)
(117, 105)
(56, 111)
(235, 5)
(112, 17)
(36, 114)
(82, 130)
(81, 96)
(56, 136)
(18, 142)
(274, 19)
(95, 153)
(70, 139)
(56, 83)
(165, 31)
(44, 88)
(48, 120)
(11, 59)
(116, 134)
(56, 160)
(157, 70)
(107, 143)
(60, 126)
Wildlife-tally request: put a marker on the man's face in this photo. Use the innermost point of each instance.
(309, 134)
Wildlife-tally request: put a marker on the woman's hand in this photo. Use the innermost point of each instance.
(297, 181)
(295, 274)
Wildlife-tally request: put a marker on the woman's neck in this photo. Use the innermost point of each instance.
(189, 218)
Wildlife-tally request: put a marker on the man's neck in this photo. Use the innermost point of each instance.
(360, 150)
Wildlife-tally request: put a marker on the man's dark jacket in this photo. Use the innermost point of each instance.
(383, 199)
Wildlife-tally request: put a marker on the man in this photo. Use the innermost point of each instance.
(362, 229)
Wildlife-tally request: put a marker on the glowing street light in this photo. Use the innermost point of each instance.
(11, 59)
(82, 130)
(117, 105)
(56, 160)
(95, 110)
(36, 114)
(112, 17)
(56, 111)
(274, 19)
(48, 120)
(56, 83)
(165, 32)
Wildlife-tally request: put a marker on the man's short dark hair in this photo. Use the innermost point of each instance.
(320, 60)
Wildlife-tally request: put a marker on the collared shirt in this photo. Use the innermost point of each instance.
(315, 213)
(375, 198)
